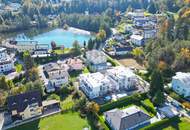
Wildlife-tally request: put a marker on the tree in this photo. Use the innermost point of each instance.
(90, 44)
(151, 8)
(101, 35)
(156, 88)
(76, 47)
(158, 99)
(93, 107)
(3, 96)
(28, 61)
(33, 74)
(10, 84)
(3, 83)
(53, 45)
(84, 44)
(138, 52)
(156, 83)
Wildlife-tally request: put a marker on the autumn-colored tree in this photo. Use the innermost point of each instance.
(186, 104)
(164, 26)
(3, 96)
(93, 107)
(101, 35)
(185, 52)
(187, 1)
(33, 74)
(162, 65)
(137, 52)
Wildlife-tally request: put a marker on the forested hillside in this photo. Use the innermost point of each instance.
(38, 10)
(171, 50)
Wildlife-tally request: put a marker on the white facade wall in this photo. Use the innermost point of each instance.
(95, 84)
(137, 40)
(58, 77)
(181, 84)
(180, 87)
(26, 47)
(6, 64)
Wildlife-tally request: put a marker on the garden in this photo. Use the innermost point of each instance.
(174, 123)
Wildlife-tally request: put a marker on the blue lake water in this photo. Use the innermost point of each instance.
(59, 36)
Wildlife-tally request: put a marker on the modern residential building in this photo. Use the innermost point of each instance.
(31, 46)
(125, 78)
(181, 83)
(6, 63)
(137, 40)
(21, 47)
(40, 51)
(122, 50)
(25, 106)
(149, 33)
(74, 64)
(96, 84)
(132, 118)
(56, 75)
(96, 60)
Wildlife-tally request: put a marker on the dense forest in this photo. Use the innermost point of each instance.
(101, 12)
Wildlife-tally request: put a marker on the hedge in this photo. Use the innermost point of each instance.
(122, 102)
(162, 123)
(103, 123)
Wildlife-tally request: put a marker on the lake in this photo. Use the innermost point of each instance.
(59, 36)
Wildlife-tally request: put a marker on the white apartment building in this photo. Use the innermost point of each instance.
(26, 47)
(181, 83)
(58, 77)
(125, 78)
(149, 33)
(137, 40)
(6, 64)
(96, 84)
(96, 60)
(31, 47)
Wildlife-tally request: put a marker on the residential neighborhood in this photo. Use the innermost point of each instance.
(94, 65)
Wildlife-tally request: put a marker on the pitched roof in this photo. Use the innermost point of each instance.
(21, 101)
(127, 118)
(183, 77)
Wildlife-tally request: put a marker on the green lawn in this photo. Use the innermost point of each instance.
(68, 121)
(147, 102)
(170, 124)
(183, 124)
(65, 51)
